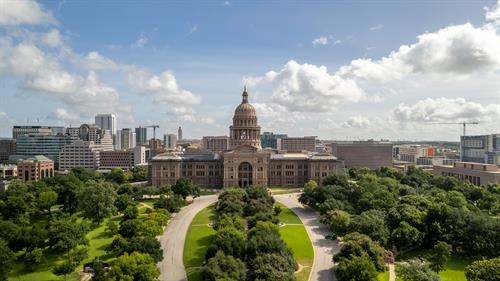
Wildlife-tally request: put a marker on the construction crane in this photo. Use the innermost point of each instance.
(154, 129)
(464, 124)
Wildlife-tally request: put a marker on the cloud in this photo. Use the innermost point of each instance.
(95, 61)
(52, 38)
(446, 110)
(193, 29)
(453, 50)
(24, 12)
(22, 59)
(165, 91)
(227, 3)
(357, 122)
(86, 96)
(141, 41)
(376, 27)
(310, 88)
(492, 15)
(323, 40)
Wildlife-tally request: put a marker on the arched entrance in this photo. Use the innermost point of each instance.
(245, 174)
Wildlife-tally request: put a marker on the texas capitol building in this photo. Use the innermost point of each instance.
(244, 163)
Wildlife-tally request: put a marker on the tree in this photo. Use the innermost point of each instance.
(338, 220)
(439, 256)
(97, 200)
(46, 200)
(230, 241)
(273, 267)
(118, 176)
(17, 201)
(33, 258)
(415, 270)
(172, 203)
(139, 173)
(483, 270)
(64, 269)
(359, 268)
(372, 223)
(131, 212)
(359, 244)
(185, 187)
(230, 221)
(7, 258)
(405, 235)
(65, 234)
(224, 267)
(135, 266)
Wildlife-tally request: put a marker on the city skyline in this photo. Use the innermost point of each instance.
(339, 71)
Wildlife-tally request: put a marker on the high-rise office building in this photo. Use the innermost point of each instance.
(481, 149)
(170, 141)
(141, 136)
(108, 122)
(40, 144)
(127, 138)
(216, 143)
(80, 154)
(92, 133)
(23, 130)
(7, 148)
(179, 133)
(270, 140)
(363, 154)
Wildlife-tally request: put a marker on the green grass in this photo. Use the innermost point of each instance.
(296, 237)
(199, 237)
(205, 216)
(284, 190)
(384, 276)
(208, 192)
(455, 266)
(287, 216)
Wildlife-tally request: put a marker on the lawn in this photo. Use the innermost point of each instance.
(284, 190)
(287, 216)
(98, 240)
(384, 276)
(198, 239)
(455, 266)
(296, 237)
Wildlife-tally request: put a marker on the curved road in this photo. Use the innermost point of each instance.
(324, 249)
(172, 240)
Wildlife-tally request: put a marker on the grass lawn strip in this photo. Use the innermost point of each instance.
(454, 270)
(295, 236)
(199, 237)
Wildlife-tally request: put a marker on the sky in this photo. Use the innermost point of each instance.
(344, 70)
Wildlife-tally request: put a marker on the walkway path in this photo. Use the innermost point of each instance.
(324, 249)
(172, 240)
(392, 273)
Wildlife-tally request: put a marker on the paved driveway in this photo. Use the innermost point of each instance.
(172, 240)
(324, 249)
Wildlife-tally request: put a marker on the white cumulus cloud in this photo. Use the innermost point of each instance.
(323, 40)
(165, 91)
(446, 110)
(16, 12)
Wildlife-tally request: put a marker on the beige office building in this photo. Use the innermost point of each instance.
(8, 171)
(84, 154)
(298, 144)
(122, 158)
(216, 143)
(476, 173)
(25, 130)
(244, 163)
(363, 154)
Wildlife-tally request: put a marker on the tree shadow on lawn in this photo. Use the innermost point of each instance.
(198, 257)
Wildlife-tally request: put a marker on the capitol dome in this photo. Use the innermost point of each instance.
(245, 129)
(245, 109)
